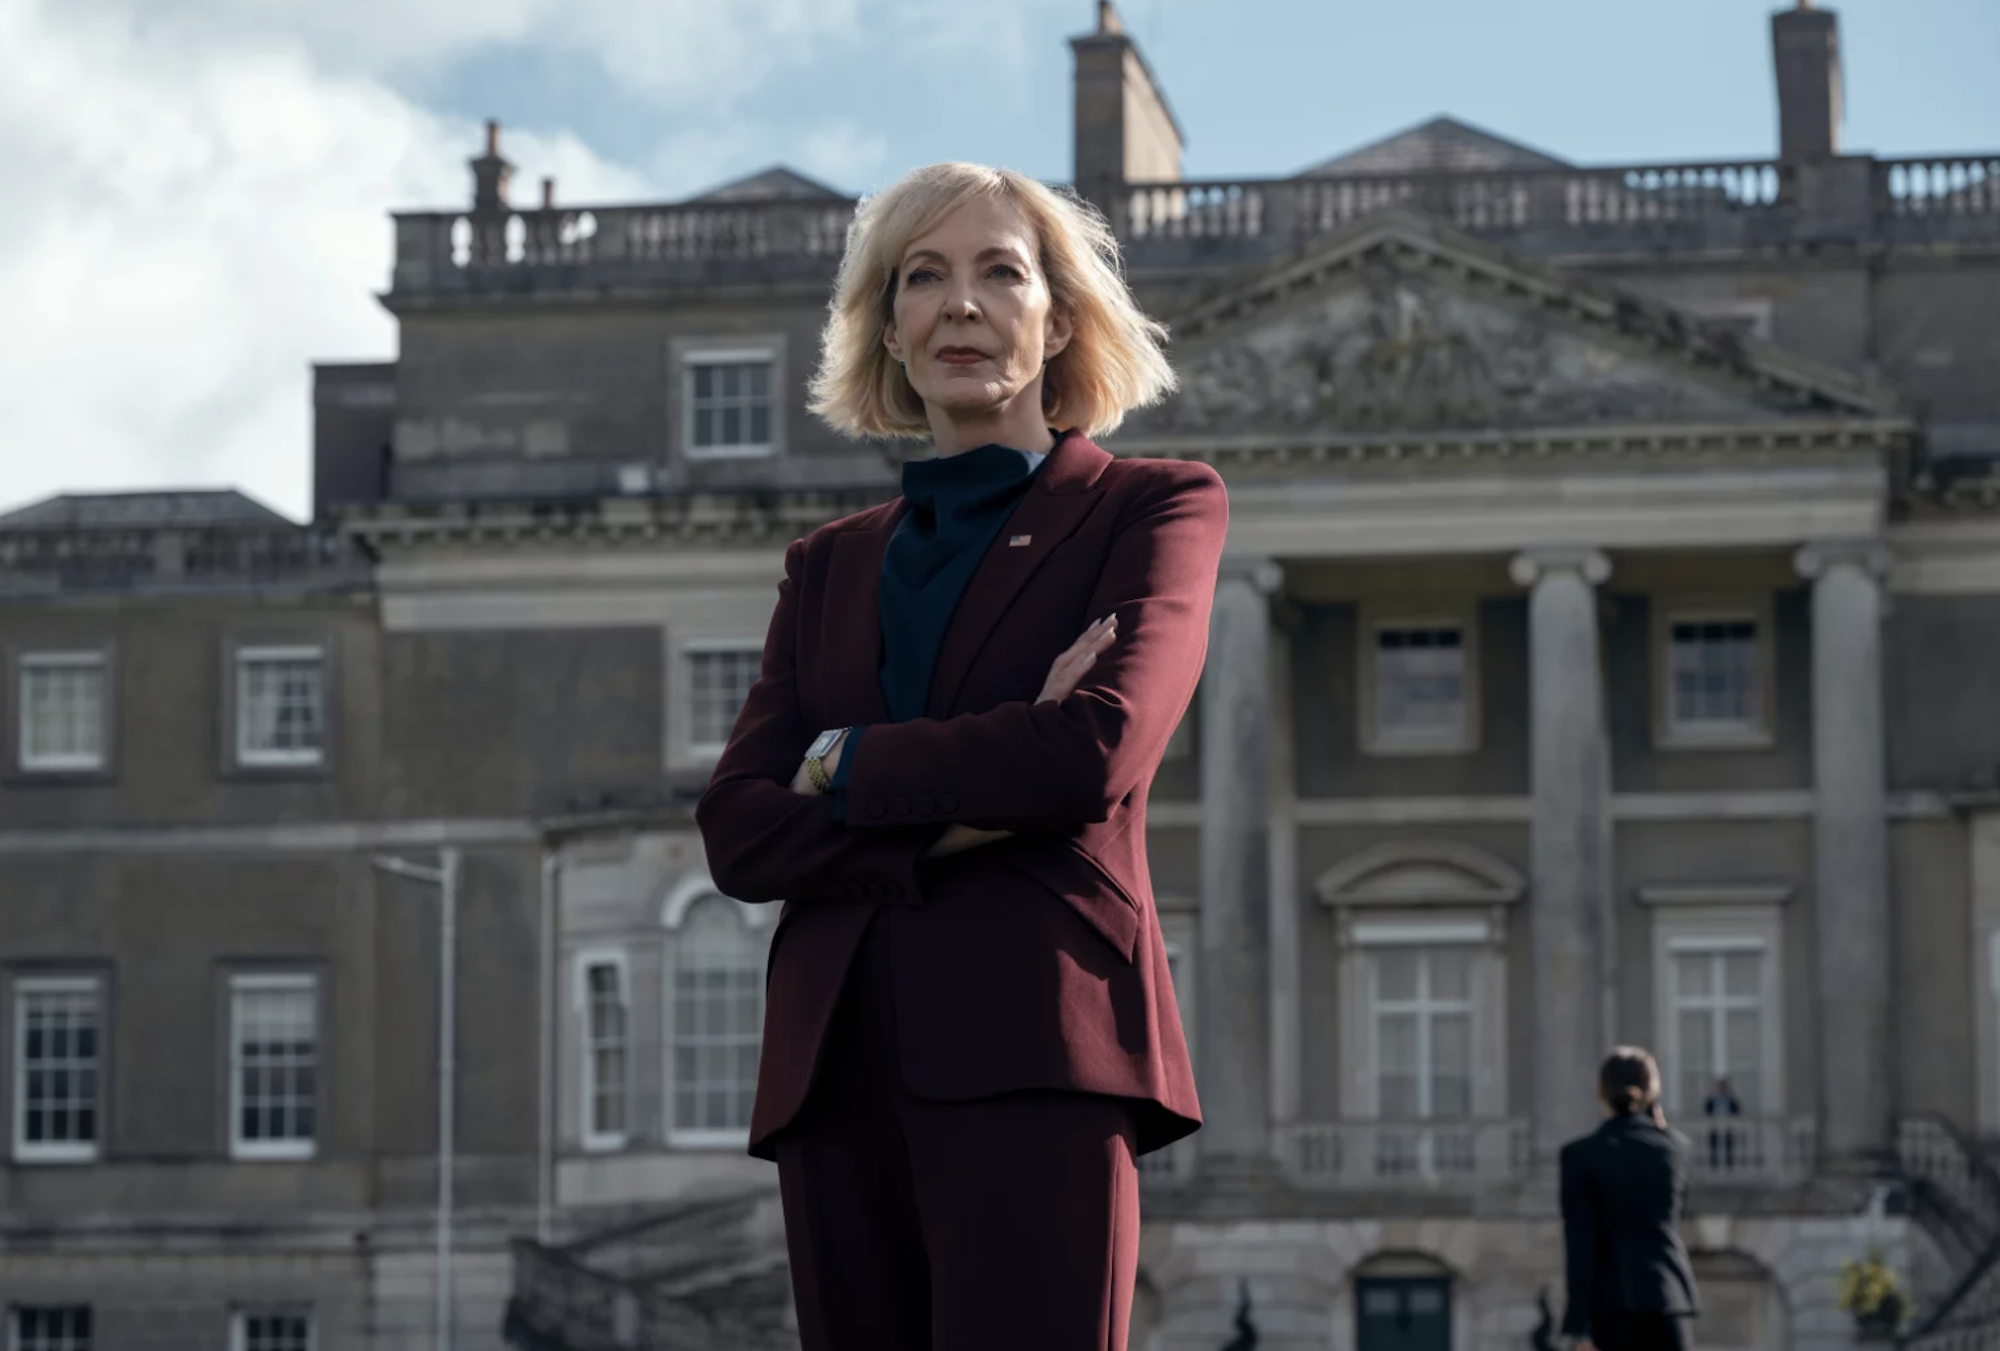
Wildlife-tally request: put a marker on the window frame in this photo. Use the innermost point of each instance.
(14, 1312)
(51, 656)
(273, 1151)
(1719, 927)
(755, 925)
(687, 355)
(239, 1329)
(684, 752)
(1373, 620)
(237, 653)
(1758, 734)
(584, 960)
(1485, 935)
(24, 986)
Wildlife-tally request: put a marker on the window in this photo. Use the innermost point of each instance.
(718, 681)
(729, 405)
(50, 1328)
(1714, 668)
(718, 1021)
(606, 1049)
(1417, 687)
(57, 1069)
(1712, 665)
(271, 1330)
(1720, 1016)
(273, 1066)
(1421, 1014)
(280, 706)
(62, 703)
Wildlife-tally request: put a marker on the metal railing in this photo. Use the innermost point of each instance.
(1955, 1194)
(1388, 1156)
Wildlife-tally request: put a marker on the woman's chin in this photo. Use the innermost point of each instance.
(970, 398)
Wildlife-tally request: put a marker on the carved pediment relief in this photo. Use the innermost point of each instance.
(1406, 326)
(1409, 873)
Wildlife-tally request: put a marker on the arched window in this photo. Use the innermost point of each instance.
(715, 1023)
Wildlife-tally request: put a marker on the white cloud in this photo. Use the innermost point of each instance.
(194, 225)
(202, 189)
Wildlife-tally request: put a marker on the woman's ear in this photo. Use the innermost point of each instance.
(1057, 333)
(890, 342)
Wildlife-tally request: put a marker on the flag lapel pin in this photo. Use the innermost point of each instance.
(1019, 541)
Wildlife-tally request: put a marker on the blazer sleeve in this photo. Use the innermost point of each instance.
(1579, 1216)
(767, 843)
(1052, 766)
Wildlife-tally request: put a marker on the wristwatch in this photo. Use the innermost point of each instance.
(816, 754)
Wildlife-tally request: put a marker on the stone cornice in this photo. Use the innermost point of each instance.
(1782, 438)
(749, 517)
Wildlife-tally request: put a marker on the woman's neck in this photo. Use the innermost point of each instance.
(1019, 424)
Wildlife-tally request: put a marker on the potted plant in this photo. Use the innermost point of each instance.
(1874, 1295)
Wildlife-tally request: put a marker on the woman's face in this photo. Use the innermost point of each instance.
(973, 320)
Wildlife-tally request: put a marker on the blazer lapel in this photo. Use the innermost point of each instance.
(851, 638)
(1064, 491)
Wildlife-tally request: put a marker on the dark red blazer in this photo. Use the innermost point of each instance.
(1037, 962)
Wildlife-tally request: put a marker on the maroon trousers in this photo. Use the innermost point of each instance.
(992, 1225)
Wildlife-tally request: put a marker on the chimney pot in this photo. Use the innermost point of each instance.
(493, 137)
(1805, 47)
(1107, 18)
(548, 194)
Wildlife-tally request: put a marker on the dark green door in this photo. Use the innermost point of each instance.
(1402, 1314)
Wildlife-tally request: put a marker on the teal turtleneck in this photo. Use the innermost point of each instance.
(957, 507)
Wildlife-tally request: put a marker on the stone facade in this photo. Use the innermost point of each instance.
(1605, 651)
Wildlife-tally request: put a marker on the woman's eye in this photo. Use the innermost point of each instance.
(1007, 270)
(922, 274)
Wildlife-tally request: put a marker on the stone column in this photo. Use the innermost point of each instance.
(1851, 922)
(1570, 852)
(1234, 973)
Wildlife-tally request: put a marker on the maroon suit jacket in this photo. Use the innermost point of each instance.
(1036, 962)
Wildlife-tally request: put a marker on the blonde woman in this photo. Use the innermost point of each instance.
(942, 772)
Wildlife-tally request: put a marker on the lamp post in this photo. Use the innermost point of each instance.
(445, 878)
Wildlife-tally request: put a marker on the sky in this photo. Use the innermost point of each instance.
(198, 191)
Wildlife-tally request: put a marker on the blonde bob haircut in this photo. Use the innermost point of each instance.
(1113, 362)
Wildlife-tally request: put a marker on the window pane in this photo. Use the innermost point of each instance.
(1691, 974)
(281, 709)
(1713, 675)
(1420, 683)
(51, 1328)
(605, 1036)
(730, 404)
(718, 683)
(276, 1331)
(1743, 975)
(732, 426)
(1396, 975)
(276, 1056)
(1451, 974)
(62, 712)
(57, 1077)
(718, 1017)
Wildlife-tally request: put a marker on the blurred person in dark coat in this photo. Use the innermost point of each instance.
(1623, 1189)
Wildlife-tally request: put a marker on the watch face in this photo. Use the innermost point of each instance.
(822, 743)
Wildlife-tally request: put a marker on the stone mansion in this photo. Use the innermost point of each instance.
(1607, 650)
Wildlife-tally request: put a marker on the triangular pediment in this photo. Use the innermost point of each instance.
(1400, 324)
(1440, 146)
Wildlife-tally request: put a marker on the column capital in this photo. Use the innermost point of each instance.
(1531, 565)
(1263, 574)
(1820, 557)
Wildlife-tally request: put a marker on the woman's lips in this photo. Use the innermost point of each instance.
(960, 356)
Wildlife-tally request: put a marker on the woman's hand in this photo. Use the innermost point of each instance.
(1064, 674)
(1070, 667)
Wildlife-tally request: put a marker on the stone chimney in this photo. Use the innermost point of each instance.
(1805, 43)
(490, 176)
(548, 194)
(1125, 132)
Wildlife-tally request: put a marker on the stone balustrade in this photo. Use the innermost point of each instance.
(39, 560)
(1402, 1155)
(1724, 203)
